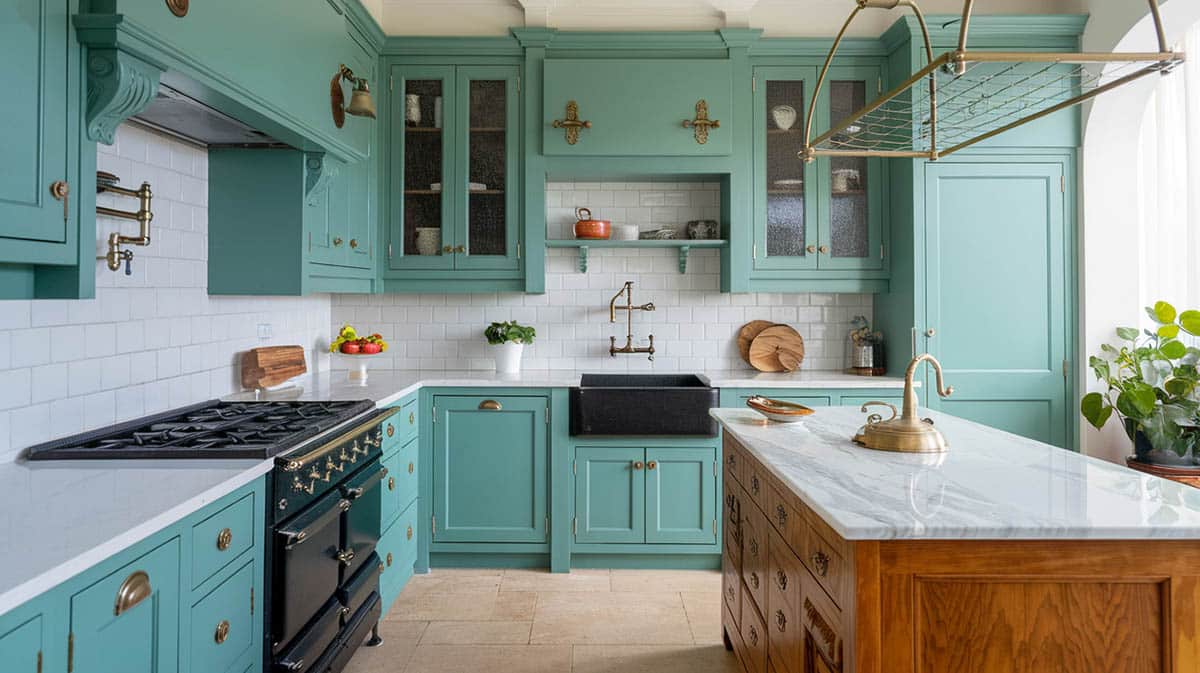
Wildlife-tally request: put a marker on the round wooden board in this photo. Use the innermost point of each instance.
(777, 349)
(746, 335)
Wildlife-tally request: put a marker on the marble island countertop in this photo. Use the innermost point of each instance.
(386, 386)
(989, 485)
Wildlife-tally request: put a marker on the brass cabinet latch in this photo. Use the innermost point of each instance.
(701, 123)
(572, 123)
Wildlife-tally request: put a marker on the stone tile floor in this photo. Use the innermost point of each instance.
(531, 621)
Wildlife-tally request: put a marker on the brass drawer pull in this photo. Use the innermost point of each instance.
(412, 418)
(651, 465)
(754, 579)
(408, 533)
(222, 633)
(781, 515)
(754, 485)
(820, 563)
(753, 546)
(135, 589)
(390, 430)
(753, 635)
(781, 579)
(391, 483)
(389, 559)
(410, 467)
(780, 620)
(490, 405)
(224, 539)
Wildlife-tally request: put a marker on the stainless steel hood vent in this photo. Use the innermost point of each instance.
(174, 113)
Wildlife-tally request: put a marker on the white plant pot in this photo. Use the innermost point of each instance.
(508, 357)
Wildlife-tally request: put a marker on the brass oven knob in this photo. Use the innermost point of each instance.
(222, 633)
(224, 539)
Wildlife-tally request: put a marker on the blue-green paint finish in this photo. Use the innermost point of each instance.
(489, 467)
(472, 559)
(811, 397)
(208, 558)
(562, 482)
(21, 646)
(144, 639)
(649, 561)
(610, 494)
(681, 495)
(398, 550)
(996, 230)
(400, 486)
(120, 86)
(229, 602)
(637, 107)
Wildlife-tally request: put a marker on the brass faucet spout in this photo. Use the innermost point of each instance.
(909, 411)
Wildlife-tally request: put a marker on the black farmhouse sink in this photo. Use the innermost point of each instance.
(643, 405)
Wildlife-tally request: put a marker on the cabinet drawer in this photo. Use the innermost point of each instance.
(758, 484)
(222, 623)
(828, 567)
(398, 551)
(401, 426)
(785, 518)
(733, 461)
(754, 558)
(731, 587)
(823, 641)
(400, 485)
(221, 538)
(754, 637)
(783, 601)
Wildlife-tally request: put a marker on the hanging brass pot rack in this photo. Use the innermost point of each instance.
(964, 97)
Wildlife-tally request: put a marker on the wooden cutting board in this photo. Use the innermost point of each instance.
(777, 349)
(272, 365)
(746, 335)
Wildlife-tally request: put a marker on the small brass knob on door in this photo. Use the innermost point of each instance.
(812, 249)
(222, 633)
(337, 241)
(354, 243)
(391, 483)
(408, 533)
(389, 559)
(224, 539)
(460, 248)
(448, 249)
(824, 249)
(391, 430)
(637, 464)
(651, 465)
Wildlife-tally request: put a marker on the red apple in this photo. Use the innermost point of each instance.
(370, 348)
(351, 348)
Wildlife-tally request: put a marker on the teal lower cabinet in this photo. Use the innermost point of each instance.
(681, 496)
(180, 601)
(610, 494)
(489, 468)
(400, 533)
(398, 550)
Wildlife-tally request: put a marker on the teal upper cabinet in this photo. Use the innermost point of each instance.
(454, 197)
(638, 107)
(489, 468)
(41, 196)
(817, 226)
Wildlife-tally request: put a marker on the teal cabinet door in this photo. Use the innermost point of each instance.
(325, 213)
(489, 472)
(128, 622)
(637, 107)
(996, 291)
(21, 647)
(610, 494)
(681, 496)
(34, 134)
(222, 623)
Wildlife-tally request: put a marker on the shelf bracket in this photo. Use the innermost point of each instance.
(119, 85)
(683, 257)
(583, 258)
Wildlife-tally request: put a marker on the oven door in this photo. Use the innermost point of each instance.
(308, 558)
(362, 522)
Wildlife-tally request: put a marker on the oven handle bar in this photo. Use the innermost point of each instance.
(305, 526)
(332, 445)
(364, 482)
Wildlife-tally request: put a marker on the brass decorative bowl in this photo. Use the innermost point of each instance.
(778, 410)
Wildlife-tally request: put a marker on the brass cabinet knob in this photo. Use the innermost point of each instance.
(412, 418)
(931, 332)
(337, 241)
(222, 633)
(408, 533)
(780, 620)
(824, 249)
(651, 465)
(391, 483)
(754, 580)
(781, 579)
(448, 249)
(389, 559)
(224, 539)
(781, 515)
(390, 430)
(354, 243)
(637, 464)
(460, 248)
(820, 563)
(411, 467)
(812, 249)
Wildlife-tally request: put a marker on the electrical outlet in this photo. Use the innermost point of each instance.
(264, 331)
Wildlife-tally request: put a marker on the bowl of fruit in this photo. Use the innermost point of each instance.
(357, 351)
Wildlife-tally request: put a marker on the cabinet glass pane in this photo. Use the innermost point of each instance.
(785, 171)
(423, 163)
(487, 140)
(848, 234)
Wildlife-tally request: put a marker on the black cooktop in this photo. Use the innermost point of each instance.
(212, 429)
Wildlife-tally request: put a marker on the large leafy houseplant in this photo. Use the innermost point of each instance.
(1153, 385)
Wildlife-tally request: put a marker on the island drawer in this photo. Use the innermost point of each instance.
(733, 459)
(758, 484)
(828, 566)
(754, 557)
(754, 637)
(824, 642)
(783, 515)
(221, 538)
(785, 639)
(731, 587)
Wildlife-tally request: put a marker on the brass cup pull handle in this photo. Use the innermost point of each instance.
(354, 243)
(345, 556)
(222, 633)
(490, 405)
(224, 539)
(651, 465)
(135, 589)
(637, 464)
(337, 241)
(820, 563)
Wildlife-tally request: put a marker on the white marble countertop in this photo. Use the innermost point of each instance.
(989, 485)
(387, 386)
(59, 518)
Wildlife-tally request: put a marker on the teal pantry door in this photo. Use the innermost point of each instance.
(996, 292)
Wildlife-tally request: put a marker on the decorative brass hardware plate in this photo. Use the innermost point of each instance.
(135, 589)
(572, 123)
(222, 633)
(224, 539)
(701, 123)
(178, 7)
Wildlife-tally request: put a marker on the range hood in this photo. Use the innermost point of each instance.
(175, 113)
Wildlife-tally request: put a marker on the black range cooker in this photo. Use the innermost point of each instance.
(323, 509)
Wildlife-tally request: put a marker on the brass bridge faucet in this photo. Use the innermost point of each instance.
(627, 290)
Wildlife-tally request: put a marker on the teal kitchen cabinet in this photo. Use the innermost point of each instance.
(814, 397)
(661, 495)
(820, 225)
(454, 206)
(42, 195)
(489, 468)
(21, 645)
(222, 622)
(638, 107)
(401, 535)
(138, 631)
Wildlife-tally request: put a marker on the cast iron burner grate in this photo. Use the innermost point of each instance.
(211, 429)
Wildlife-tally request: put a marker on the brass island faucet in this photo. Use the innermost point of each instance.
(627, 290)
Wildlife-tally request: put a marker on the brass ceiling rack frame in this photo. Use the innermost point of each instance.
(972, 95)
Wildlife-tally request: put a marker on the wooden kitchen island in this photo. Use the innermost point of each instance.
(1003, 555)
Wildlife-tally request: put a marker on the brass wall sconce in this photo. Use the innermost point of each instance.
(572, 123)
(107, 182)
(361, 103)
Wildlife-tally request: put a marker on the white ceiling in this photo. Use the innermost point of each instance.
(776, 17)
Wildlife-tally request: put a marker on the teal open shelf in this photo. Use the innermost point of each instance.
(683, 245)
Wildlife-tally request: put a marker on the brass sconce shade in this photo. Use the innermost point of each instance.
(361, 102)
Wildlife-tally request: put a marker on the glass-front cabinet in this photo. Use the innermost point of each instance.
(454, 170)
(822, 216)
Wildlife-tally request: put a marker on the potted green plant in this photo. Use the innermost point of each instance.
(1153, 385)
(509, 340)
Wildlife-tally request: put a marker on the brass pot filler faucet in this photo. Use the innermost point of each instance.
(627, 290)
(107, 182)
